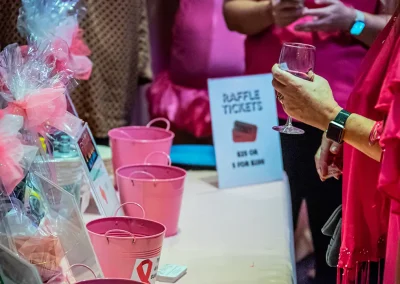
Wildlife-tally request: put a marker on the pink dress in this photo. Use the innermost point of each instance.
(371, 190)
(202, 48)
(338, 59)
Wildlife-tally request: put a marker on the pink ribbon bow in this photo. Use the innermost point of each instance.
(14, 156)
(46, 107)
(72, 58)
(75, 58)
(11, 172)
(82, 65)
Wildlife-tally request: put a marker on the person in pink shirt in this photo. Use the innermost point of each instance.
(329, 25)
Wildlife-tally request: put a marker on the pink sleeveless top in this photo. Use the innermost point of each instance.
(338, 56)
(202, 48)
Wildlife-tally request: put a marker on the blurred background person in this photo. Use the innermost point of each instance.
(329, 25)
(190, 43)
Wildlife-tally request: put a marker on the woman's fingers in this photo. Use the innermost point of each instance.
(325, 156)
(318, 12)
(288, 12)
(284, 77)
(319, 25)
(317, 158)
(278, 86)
(289, 5)
(335, 148)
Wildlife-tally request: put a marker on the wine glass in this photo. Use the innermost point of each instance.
(297, 59)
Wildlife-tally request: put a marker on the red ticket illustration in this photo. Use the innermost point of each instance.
(244, 132)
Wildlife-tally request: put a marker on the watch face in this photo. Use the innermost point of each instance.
(335, 132)
(357, 28)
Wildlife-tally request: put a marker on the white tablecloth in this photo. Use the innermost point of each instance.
(240, 235)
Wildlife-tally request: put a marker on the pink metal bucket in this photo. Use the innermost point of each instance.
(60, 278)
(132, 144)
(158, 188)
(127, 247)
(110, 281)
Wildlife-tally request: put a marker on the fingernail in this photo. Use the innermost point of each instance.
(333, 149)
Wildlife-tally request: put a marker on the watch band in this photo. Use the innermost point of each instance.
(342, 117)
(359, 24)
(360, 17)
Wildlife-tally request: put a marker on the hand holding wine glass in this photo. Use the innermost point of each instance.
(299, 60)
(310, 102)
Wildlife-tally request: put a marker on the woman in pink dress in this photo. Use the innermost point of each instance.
(370, 130)
(325, 24)
(201, 48)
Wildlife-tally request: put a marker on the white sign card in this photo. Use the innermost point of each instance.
(102, 187)
(243, 111)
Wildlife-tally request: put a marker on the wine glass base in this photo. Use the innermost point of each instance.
(285, 129)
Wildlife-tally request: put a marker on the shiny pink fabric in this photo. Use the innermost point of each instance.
(79, 61)
(46, 107)
(338, 56)
(186, 107)
(75, 57)
(202, 48)
(15, 158)
(369, 186)
(11, 173)
(389, 178)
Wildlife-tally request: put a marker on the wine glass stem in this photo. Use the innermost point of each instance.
(289, 122)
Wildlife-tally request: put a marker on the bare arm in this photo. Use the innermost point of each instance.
(336, 16)
(357, 132)
(358, 129)
(312, 102)
(374, 24)
(248, 17)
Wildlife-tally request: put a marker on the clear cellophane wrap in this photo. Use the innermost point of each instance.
(57, 21)
(39, 220)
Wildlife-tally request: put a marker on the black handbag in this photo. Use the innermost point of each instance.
(333, 229)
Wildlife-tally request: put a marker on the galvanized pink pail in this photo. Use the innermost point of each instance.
(159, 189)
(110, 281)
(132, 144)
(127, 247)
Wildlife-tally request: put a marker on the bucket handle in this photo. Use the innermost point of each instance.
(145, 173)
(157, 152)
(69, 269)
(120, 231)
(124, 133)
(168, 124)
(131, 203)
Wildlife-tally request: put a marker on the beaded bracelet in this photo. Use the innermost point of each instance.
(376, 133)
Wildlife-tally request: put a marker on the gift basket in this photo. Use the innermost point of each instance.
(57, 21)
(39, 220)
(15, 270)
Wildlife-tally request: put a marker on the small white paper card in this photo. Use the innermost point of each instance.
(102, 187)
(243, 111)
